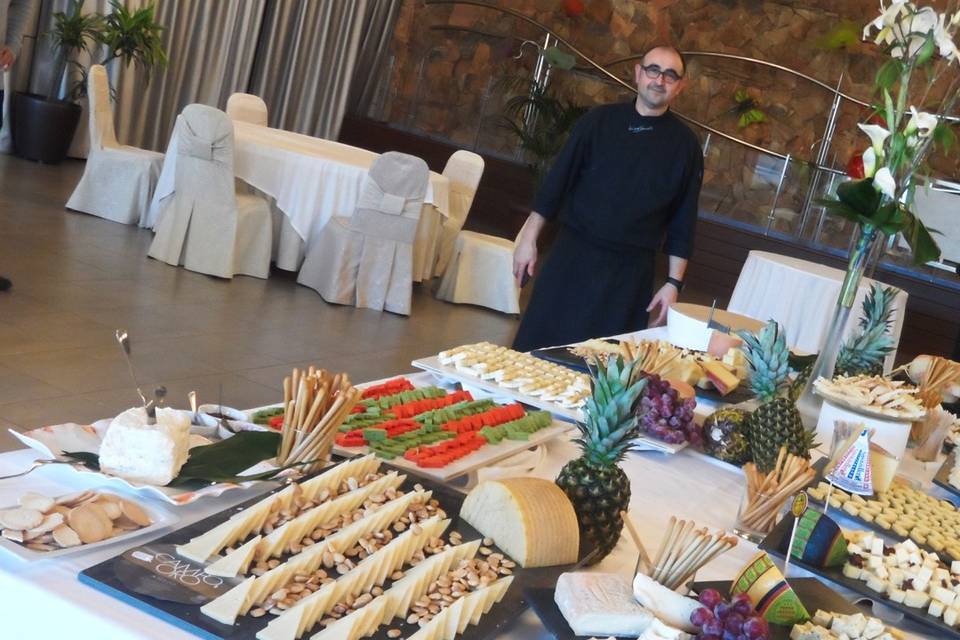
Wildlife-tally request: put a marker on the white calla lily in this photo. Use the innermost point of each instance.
(869, 162)
(887, 18)
(921, 122)
(944, 40)
(877, 136)
(884, 183)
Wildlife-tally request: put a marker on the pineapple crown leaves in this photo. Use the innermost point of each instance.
(610, 423)
(769, 359)
(866, 350)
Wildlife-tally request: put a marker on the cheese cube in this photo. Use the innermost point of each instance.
(916, 599)
(877, 584)
(951, 616)
(944, 595)
(822, 618)
(902, 555)
(896, 576)
(877, 547)
(874, 562)
(147, 453)
(873, 629)
(897, 595)
(936, 608)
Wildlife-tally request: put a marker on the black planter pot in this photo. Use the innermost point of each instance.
(43, 128)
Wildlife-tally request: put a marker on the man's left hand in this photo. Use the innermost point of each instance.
(666, 296)
(6, 58)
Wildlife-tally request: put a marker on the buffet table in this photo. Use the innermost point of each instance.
(46, 599)
(312, 180)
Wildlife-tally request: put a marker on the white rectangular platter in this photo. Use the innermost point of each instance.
(432, 365)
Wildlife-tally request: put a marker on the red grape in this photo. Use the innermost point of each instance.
(756, 628)
(700, 616)
(710, 598)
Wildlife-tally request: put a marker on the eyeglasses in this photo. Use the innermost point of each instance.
(654, 72)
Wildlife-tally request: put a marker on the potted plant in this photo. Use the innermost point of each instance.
(44, 125)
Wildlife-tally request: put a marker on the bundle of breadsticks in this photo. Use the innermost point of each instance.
(316, 403)
(768, 492)
(684, 549)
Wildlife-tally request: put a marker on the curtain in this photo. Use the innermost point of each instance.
(370, 76)
(17, 79)
(305, 62)
(210, 46)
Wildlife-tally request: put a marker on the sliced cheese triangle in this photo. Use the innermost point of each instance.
(417, 580)
(236, 562)
(373, 570)
(358, 624)
(227, 607)
(465, 611)
(331, 479)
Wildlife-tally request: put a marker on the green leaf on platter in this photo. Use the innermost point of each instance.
(221, 461)
(887, 74)
(944, 136)
(861, 196)
(559, 59)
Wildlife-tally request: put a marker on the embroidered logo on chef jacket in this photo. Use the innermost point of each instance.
(639, 128)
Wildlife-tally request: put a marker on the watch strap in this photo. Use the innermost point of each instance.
(677, 283)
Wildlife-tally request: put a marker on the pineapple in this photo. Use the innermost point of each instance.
(725, 435)
(595, 484)
(864, 353)
(776, 422)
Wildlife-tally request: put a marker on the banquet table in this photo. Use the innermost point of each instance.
(801, 296)
(44, 599)
(312, 180)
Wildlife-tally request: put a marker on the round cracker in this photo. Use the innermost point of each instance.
(135, 513)
(37, 501)
(110, 507)
(90, 523)
(50, 522)
(72, 499)
(20, 518)
(66, 537)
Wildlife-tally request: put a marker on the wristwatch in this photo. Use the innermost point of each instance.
(677, 283)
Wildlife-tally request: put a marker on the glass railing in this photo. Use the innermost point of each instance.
(766, 187)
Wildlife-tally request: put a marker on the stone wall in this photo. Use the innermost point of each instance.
(452, 83)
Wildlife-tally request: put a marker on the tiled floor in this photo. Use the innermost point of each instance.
(77, 278)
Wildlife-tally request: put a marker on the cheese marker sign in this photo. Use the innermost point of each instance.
(157, 571)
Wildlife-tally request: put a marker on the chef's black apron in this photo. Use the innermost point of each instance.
(587, 289)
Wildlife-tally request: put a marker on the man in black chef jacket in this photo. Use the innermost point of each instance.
(626, 183)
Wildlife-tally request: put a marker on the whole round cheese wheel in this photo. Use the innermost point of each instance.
(530, 519)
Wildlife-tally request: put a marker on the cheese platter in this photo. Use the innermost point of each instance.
(246, 573)
(942, 477)
(776, 542)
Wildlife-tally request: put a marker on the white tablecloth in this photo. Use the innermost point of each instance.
(44, 599)
(801, 296)
(312, 179)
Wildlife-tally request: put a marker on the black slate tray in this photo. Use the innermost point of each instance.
(776, 539)
(812, 593)
(126, 580)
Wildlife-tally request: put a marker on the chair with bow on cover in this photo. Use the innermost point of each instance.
(464, 169)
(206, 225)
(246, 107)
(366, 260)
(118, 180)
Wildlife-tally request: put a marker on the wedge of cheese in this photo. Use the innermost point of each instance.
(282, 538)
(235, 563)
(356, 468)
(600, 604)
(256, 590)
(531, 519)
(465, 611)
(359, 624)
(238, 527)
(373, 570)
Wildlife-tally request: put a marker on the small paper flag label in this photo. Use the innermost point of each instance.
(799, 504)
(852, 472)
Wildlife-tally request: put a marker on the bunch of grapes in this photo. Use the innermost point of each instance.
(664, 415)
(734, 620)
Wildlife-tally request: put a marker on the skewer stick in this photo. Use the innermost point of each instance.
(644, 558)
(663, 544)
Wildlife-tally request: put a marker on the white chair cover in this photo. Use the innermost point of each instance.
(118, 180)
(367, 260)
(464, 169)
(205, 225)
(247, 107)
(481, 272)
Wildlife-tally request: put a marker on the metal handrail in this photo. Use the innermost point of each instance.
(633, 89)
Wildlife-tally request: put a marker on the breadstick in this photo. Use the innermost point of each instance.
(663, 544)
(644, 558)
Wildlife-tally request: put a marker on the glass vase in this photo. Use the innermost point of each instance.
(809, 403)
